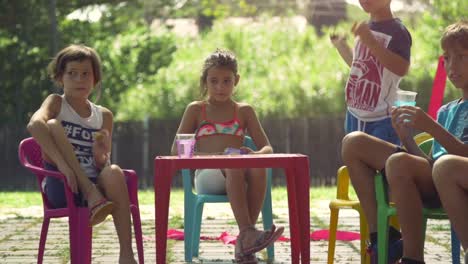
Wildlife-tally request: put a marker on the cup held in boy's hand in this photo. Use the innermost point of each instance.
(405, 98)
(185, 145)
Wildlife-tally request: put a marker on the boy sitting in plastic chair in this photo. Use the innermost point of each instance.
(408, 170)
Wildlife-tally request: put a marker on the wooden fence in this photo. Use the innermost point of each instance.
(135, 144)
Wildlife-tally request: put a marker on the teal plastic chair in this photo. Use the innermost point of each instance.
(193, 210)
(385, 210)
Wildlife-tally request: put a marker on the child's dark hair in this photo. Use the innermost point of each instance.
(455, 34)
(75, 52)
(219, 58)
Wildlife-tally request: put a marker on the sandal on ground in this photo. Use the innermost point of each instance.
(243, 259)
(265, 239)
(99, 211)
(246, 259)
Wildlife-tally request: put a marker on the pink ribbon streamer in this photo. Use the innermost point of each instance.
(438, 88)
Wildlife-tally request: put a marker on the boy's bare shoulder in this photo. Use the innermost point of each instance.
(106, 112)
(53, 103)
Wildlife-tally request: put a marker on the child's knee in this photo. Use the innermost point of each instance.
(351, 142)
(54, 123)
(395, 164)
(113, 172)
(441, 169)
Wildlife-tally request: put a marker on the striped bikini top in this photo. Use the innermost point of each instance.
(211, 128)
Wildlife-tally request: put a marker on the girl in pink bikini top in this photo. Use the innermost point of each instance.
(210, 128)
(245, 187)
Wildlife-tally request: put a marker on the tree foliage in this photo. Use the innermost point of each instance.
(285, 72)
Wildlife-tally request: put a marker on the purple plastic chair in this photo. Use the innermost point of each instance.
(78, 217)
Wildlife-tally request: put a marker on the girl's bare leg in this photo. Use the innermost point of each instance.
(246, 214)
(236, 190)
(256, 188)
(112, 182)
(451, 180)
(364, 155)
(57, 131)
(410, 181)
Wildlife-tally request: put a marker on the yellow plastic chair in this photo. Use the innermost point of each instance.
(343, 201)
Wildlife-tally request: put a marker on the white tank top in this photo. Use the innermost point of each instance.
(80, 132)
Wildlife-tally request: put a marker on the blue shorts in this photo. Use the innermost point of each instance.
(381, 129)
(55, 190)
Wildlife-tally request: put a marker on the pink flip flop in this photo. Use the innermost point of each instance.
(264, 240)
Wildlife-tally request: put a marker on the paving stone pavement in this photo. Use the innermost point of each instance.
(20, 229)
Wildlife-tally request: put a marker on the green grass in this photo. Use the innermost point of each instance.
(146, 197)
(20, 199)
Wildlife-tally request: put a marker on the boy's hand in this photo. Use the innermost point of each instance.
(403, 131)
(101, 147)
(362, 30)
(413, 116)
(71, 178)
(338, 40)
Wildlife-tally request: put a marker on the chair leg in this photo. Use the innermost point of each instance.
(80, 236)
(42, 240)
(455, 247)
(197, 217)
(189, 205)
(267, 218)
(364, 231)
(382, 238)
(334, 213)
(138, 233)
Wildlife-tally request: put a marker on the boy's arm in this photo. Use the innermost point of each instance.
(343, 48)
(418, 119)
(102, 143)
(405, 133)
(390, 60)
(414, 149)
(39, 129)
(452, 144)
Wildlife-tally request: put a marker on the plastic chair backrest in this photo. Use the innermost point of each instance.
(30, 156)
(342, 184)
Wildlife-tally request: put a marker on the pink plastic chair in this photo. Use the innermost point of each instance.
(80, 233)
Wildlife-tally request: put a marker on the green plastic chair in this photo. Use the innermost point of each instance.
(193, 210)
(385, 210)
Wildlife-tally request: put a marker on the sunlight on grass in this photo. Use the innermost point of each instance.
(20, 199)
(146, 197)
